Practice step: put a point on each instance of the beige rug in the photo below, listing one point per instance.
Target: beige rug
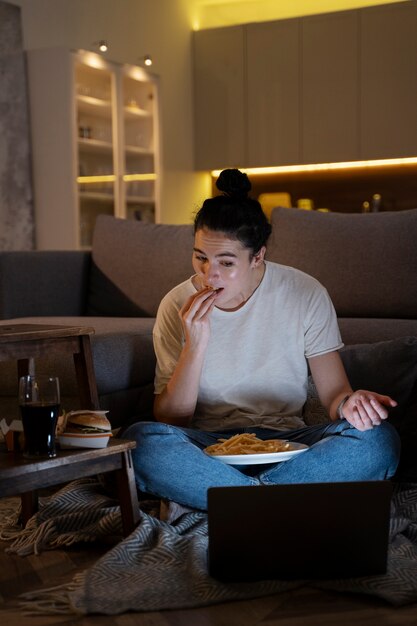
(164, 566)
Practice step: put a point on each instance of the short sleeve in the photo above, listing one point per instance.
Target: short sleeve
(168, 336)
(321, 329)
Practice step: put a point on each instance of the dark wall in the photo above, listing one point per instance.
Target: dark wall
(16, 205)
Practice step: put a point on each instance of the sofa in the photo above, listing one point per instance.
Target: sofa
(367, 262)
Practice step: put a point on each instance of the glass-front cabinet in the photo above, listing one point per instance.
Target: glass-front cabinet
(96, 154)
(140, 140)
(99, 121)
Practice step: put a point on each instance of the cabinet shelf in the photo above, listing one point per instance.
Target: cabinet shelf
(135, 112)
(96, 195)
(140, 199)
(138, 150)
(94, 145)
(96, 106)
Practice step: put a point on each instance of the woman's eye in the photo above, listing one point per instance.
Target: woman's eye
(201, 259)
(227, 263)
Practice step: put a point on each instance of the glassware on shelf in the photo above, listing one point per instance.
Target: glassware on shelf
(132, 103)
(83, 89)
(145, 213)
(84, 132)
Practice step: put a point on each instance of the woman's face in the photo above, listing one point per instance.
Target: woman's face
(225, 264)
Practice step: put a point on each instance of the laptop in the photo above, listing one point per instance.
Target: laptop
(314, 530)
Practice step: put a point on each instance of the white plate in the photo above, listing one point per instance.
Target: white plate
(260, 458)
(72, 440)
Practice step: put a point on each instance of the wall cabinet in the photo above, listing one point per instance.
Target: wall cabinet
(388, 86)
(330, 85)
(325, 88)
(95, 144)
(273, 93)
(219, 97)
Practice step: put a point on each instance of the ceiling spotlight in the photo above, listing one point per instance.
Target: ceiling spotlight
(147, 59)
(102, 45)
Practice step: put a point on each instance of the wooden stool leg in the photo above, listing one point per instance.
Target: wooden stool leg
(30, 505)
(128, 497)
(86, 379)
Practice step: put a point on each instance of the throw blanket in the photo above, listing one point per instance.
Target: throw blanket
(163, 566)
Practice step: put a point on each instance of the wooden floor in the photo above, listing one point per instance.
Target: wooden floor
(305, 606)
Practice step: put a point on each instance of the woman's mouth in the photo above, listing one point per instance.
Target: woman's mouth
(216, 289)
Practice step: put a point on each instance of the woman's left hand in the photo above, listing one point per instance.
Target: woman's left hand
(366, 409)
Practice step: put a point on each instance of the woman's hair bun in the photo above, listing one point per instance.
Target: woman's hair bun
(233, 183)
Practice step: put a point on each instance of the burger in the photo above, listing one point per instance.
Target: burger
(85, 429)
(87, 423)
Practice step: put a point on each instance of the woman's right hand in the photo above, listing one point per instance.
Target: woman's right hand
(195, 316)
(176, 404)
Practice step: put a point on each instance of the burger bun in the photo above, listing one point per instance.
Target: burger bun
(88, 422)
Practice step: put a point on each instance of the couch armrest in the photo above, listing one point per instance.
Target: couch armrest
(43, 283)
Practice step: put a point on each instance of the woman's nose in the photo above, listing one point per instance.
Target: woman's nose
(211, 271)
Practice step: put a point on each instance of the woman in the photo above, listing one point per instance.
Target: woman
(233, 346)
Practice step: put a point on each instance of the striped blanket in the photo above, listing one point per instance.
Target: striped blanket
(163, 566)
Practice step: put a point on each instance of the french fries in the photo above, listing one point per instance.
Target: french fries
(247, 443)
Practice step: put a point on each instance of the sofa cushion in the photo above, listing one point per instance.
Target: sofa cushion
(390, 368)
(367, 262)
(387, 367)
(135, 264)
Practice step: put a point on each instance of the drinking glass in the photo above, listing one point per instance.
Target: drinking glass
(39, 400)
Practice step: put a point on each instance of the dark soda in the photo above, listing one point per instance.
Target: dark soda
(39, 424)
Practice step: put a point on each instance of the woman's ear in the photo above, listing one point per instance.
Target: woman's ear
(258, 258)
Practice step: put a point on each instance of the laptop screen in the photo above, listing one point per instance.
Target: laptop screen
(313, 530)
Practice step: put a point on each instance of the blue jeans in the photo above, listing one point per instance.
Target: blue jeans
(169, 461)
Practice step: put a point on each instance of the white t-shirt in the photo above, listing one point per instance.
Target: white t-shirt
(255, 369)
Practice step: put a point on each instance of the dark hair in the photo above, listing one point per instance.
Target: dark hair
(234, 212)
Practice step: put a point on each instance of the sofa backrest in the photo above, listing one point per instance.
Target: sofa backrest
(134, 264)
(43, 283)
(367, 262)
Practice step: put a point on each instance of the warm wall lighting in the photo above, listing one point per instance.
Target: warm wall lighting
(218, 13)
(110, 178)
(317, 167)
(132, 177)
(96, 179)
(92, 59)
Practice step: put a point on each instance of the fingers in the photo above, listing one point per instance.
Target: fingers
(195, 318)
(368, 412)
(199, 304)
(367, 409)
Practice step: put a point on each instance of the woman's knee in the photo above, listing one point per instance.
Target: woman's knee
(387, 437)
(379, 448)
(385, 444)
(140, 429)
(150, 437)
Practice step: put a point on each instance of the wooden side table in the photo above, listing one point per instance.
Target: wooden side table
(20, 476)
(24, 342)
